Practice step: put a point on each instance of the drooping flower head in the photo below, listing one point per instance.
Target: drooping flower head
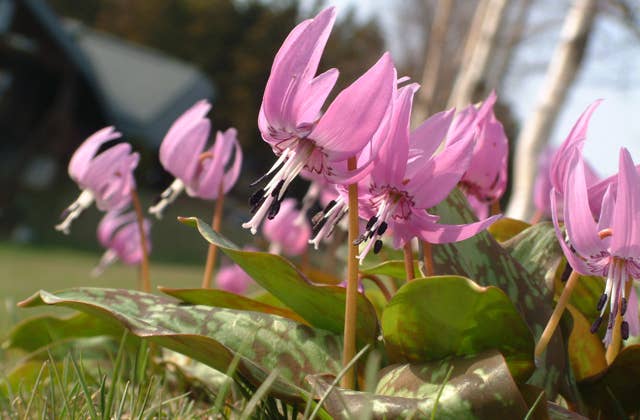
(485, 181)
(287, 232)
(119, 233)
(291, 121)
(410, 177)
(202, 173)
(231, 278)
(609, 247)
(105, 177)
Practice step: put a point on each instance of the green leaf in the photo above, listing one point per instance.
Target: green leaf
(321, 306)
(482, 259)
(449, 316)
(222, 299)
(618, 385)
(586, 350)
(537, 250)
(394, 268)
(417, 390)
(213, 335)
(506, 228)
(41, 331)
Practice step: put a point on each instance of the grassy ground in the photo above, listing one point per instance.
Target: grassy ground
(24, 270)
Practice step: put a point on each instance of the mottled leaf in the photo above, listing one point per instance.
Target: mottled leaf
(321, 306)
(222, 299)
(213, 335)
(41, 331)
(506, 228)
(446, 316)
(586, 350)
(537, 250)
(618, 386)
(482, 259)
(411, 391)
(586, 294)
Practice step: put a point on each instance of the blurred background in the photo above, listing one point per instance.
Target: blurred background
(69, 68)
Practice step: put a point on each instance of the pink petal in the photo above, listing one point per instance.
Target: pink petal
(605, 220)
(317, 91)
(233, 279)
(542, 184)
(214, 171)
(432, 132)
(394, 152)
(576, 262)
(295, 65)
(83, 155)
(182, 159)
(631, 316)
(284, 229)
(356, 113)
(487, 172)
(576, 138)
(431, 180)
(110, 223)
(173, 142)
(103, 166)
(581, 228)
(442, 234)
(480, 208)
(625, 240)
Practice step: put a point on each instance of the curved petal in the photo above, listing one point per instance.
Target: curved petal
(605, 220)
(542, 185)
(576, 138)
(577, 263)
(431, 180)
(104, 166)
(487, 171)
(319, 88)
(625, 241)
(110, 223)
(355, 115)
(432, 132)
(217, 168)
(295, 64)
(81, 159)
(174, 141)
(183, 160)
(442, 234)
(394, 152)
(578, 219)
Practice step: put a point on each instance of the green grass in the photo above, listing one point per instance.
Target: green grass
(26, 270)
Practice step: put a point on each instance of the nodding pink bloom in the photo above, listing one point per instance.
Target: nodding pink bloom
(232, 278)
(119, 233)
(202, 173)
(616, 257)
(409, 178)
(486, 178)
(542, 184)
(291, 121)
(105, 177)
(287, 232)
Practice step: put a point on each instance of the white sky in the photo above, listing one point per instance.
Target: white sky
(611, 71)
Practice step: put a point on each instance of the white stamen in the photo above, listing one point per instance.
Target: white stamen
(108, 258)
(84, 200)
(168, 196)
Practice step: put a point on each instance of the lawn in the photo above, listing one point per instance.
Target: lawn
(25, 270)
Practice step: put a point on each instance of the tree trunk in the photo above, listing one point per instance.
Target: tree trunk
(561, 73)
(471, 79)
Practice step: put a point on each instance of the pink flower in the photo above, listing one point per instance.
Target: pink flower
(409, 178)
(119, 233)
(231, 278)
(290, 117)
(201, 172)
(616, 257)
(105, 177)
(287, 232)
(486, 178)
(542, 184)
